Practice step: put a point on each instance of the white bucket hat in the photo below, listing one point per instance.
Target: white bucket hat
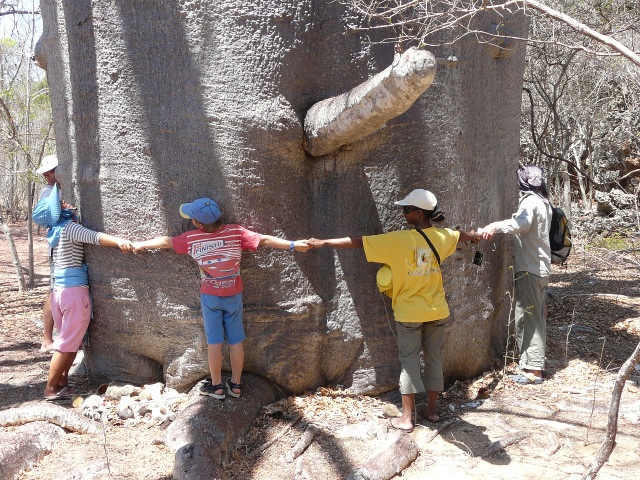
(48, 163)
(420, 198)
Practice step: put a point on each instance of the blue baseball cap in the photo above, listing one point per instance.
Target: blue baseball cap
(47, 212)
(204, 210)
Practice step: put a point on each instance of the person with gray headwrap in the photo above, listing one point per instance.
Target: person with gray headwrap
(532, 266)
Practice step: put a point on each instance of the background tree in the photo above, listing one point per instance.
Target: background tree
(25, 112)
(581, 126)
(580, 108)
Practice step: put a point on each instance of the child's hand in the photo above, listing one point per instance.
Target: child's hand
(137, 247)
(314, 242)
(125, 245)
(301, 245)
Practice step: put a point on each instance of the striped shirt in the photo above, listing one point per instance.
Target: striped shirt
(69, 252)
(218, 256)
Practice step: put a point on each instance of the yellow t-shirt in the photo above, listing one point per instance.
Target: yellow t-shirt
(418, 293)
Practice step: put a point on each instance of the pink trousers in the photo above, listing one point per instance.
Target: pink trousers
(71, 308)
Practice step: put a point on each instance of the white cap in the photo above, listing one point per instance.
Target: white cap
(48, 163)
(420, 198)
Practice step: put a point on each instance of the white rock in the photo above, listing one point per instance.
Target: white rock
(160, 413)
(155, 390)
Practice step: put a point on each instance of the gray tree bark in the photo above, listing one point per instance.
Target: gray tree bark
(158, 102)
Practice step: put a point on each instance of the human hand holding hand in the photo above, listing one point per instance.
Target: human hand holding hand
(125, 245)
(487, 232)
(315, 243)
(137, 247)
(301, 245)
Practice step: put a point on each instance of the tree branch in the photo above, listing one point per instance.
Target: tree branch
(581, 28)
(609, 441)
(346, 118)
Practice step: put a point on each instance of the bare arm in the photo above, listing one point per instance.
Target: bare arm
(281, 243)
(107, 240)
(158, 242)
(344, 242)
(469, 236)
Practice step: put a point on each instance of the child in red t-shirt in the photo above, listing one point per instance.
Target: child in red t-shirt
(217, 248)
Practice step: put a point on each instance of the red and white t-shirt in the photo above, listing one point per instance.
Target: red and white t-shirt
(218, 255)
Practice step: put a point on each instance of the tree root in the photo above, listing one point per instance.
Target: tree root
(441, 428)
(504, 442)
(63, 417)
(388, 463)
(22, 448)
(554, 444)
(268, 443)
(302, 444)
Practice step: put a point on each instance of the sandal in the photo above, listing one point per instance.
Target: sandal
(526, 379)
(211, 390)
(62, 394)
(233, 386)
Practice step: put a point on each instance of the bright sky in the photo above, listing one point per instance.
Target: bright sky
(14, 25)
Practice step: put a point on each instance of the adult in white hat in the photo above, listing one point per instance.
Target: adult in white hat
(47, 169)
(418, 298)
(70, 302)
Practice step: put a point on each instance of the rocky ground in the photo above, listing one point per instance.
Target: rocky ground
(556, 428)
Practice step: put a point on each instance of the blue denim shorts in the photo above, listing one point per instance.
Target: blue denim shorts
(222, 318)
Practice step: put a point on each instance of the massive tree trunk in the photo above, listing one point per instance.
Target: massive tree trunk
(158, 102)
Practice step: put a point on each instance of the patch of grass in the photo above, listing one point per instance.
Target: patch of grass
(614, 243)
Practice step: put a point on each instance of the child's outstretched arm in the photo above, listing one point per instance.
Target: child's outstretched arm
(107, 240)
(275, 242)
(158, 242)
(344, 242)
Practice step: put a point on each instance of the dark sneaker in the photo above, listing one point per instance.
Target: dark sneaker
(215, 391)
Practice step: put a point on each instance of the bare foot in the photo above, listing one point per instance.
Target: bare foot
(432, 417)
(46, 347)
(402, 426)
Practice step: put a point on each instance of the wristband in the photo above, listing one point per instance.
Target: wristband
(292, 245)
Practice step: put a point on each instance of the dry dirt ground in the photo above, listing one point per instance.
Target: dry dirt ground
(593, 327)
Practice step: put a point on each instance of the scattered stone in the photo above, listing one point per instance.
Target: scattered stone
(390, 410)
(161, 414)
(118, 391)
(154, 391)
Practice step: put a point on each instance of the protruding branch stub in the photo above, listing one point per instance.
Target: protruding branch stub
(344, 119)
